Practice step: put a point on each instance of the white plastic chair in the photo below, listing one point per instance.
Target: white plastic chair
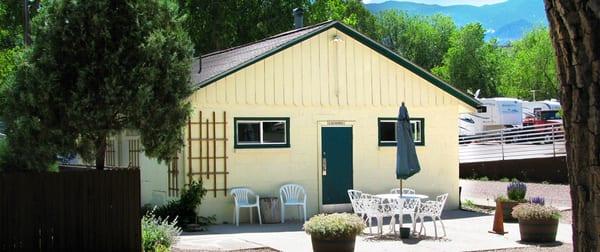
(370, 206)
(241, 197)
(432, 209)
(403, 191)
(292, 195)
(354, 196)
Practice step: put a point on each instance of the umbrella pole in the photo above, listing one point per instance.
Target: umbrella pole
(400, 187)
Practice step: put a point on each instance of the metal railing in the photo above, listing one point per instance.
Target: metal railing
(537, 141)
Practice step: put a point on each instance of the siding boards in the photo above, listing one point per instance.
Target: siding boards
(320, 72)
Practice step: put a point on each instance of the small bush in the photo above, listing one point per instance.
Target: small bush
(337, 226)
(158, 234)
(516, 191)
(184, 208)
(484, 178)
(529, 211)
(468, 204)
(505, 179)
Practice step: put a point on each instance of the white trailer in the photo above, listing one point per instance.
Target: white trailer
(494, 113)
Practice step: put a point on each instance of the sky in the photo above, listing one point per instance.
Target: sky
(443, 2)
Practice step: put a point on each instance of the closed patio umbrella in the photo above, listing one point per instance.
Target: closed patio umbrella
(407, 162)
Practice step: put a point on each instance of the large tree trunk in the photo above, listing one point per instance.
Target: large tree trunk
(575, 32)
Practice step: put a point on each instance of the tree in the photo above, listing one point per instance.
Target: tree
(216, 24)
(422, 40)
(350, 12)
(531, 66)
(94, 69)
(574, 27)
(471, 63)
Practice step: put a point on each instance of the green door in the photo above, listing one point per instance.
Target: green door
(336, 147)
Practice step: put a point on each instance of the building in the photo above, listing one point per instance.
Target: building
(274, 111)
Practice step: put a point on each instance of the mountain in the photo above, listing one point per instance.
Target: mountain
(505, 21)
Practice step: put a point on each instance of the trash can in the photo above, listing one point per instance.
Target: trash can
(270, 210)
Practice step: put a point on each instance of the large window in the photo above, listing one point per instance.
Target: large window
(262, 132)
(387, 131)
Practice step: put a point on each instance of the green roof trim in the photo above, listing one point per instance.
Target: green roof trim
(366, 41)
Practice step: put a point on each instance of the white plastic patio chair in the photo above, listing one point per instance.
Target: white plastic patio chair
(403, 191)
(241, 198)
(432, 209)
(292, 195)
(354, 196)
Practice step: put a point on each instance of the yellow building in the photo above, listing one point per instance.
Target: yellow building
(272, 111)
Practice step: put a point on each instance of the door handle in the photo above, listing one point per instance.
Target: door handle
(324, 164)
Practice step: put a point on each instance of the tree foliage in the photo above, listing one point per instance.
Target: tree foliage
(350, 12)
(215, 24)
(422, 40)
(471, 63)
(531, 66)
(94, 69)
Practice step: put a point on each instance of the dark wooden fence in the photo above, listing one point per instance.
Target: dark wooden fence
(552, 169)
(75, 210)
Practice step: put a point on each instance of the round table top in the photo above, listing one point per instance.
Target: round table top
(404, 196)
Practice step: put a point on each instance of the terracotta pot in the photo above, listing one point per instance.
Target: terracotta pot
(333, 245)
(507, 208)
(538, 230)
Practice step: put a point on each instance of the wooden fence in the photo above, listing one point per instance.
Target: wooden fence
(75, 210)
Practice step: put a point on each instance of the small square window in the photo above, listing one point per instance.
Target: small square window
(387, 131)
(261, 132)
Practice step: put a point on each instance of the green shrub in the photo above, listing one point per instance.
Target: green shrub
(505, 179)
(3, 153)
(484, 178)
(530, 211)
(516, 191)
(158, 234)
(337, 226)
(184, 208)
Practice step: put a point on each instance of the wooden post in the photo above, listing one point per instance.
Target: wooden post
(190, 151)
(224, 153)
(214, 127)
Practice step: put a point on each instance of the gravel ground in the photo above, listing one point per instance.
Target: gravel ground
(556, 195)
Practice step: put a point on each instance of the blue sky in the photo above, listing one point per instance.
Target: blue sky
(443, 2)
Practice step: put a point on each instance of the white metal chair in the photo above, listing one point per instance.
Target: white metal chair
(403, 191)
(370, 206)
(432, 209)
(354, 196)
(292, 195)
(241, 197)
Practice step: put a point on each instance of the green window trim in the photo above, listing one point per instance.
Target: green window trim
(418, 120)
(261, 120)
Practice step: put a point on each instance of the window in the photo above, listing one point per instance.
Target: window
(262, 132)
(387, 131)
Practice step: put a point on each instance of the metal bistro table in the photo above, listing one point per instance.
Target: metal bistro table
(388, 196)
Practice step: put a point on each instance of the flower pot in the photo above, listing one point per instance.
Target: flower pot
(404, 233)
(507, 208)
(538, 230)
(320, 245)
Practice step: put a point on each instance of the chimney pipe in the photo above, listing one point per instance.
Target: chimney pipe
(298, 18)
(200, 64)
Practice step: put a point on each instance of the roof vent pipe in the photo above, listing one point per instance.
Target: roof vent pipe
(200, 64)
(298, 18)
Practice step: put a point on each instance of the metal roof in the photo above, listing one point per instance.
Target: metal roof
(219, 62)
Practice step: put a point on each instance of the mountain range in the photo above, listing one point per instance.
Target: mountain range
(505, 21)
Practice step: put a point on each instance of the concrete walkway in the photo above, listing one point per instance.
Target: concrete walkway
(466, 231)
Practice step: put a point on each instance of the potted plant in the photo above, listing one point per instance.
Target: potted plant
(516, 191)
(537, 223)
(334, 232)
